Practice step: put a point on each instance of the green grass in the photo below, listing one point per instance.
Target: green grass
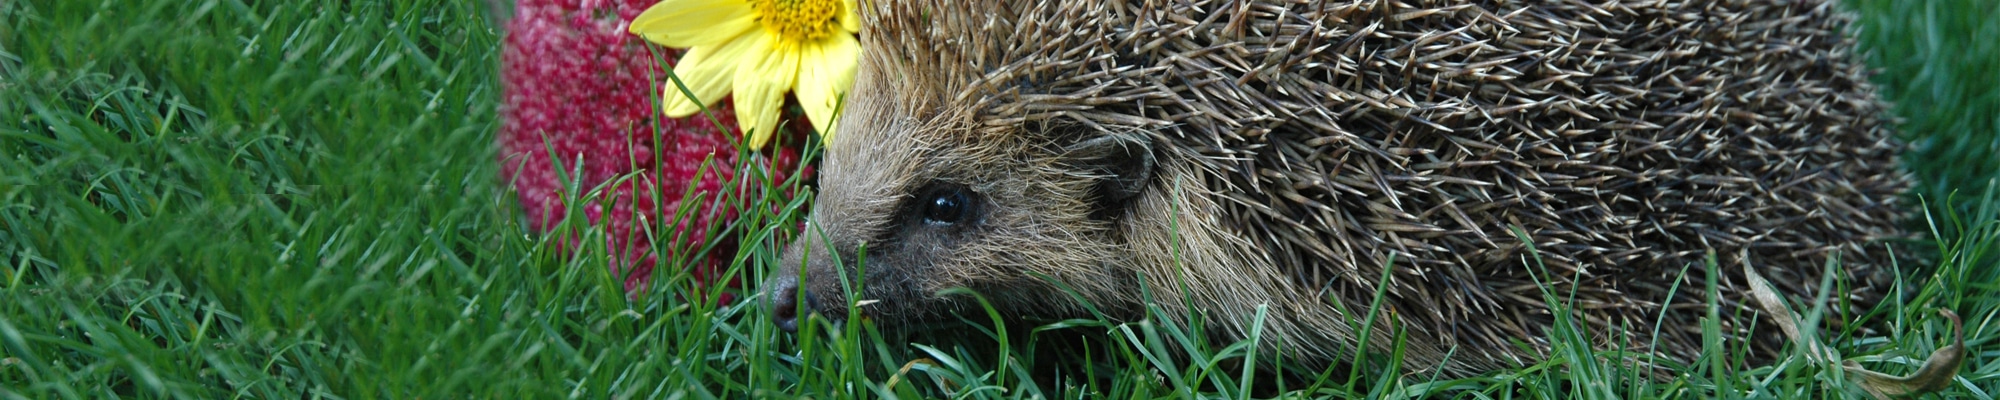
(214, 199)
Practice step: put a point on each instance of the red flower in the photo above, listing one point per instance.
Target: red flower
(580, 88)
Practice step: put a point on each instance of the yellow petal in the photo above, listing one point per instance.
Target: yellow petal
(847, 18)
(760, 89)
(825, 75)
(689, 23)
(708, 72)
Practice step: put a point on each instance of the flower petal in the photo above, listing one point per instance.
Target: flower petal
(708, 72)
(760, 89)
(689, 23)
(825, 75)
(847, 17)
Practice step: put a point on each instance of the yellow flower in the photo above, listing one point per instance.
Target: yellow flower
(757, 49)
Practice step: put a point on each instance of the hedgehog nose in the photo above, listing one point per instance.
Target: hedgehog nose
(784, 298)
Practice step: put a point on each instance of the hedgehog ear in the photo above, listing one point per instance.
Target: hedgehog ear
(1122, 162)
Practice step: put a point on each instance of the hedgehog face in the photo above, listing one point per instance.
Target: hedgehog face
(890, 247)
(916, 200)
(902, 217)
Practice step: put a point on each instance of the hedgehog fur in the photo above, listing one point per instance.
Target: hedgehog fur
(1291, 155)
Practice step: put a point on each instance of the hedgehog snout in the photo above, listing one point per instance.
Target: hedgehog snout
(784, 295)
(788, 293)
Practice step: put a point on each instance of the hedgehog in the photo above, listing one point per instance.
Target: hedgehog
(1447, 163)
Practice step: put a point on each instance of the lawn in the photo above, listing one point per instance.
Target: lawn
(219, 198)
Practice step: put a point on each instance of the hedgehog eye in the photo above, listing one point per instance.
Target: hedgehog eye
(946, 206)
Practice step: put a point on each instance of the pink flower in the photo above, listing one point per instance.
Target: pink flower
(581, 87)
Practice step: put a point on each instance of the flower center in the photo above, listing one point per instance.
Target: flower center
(797, 20)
